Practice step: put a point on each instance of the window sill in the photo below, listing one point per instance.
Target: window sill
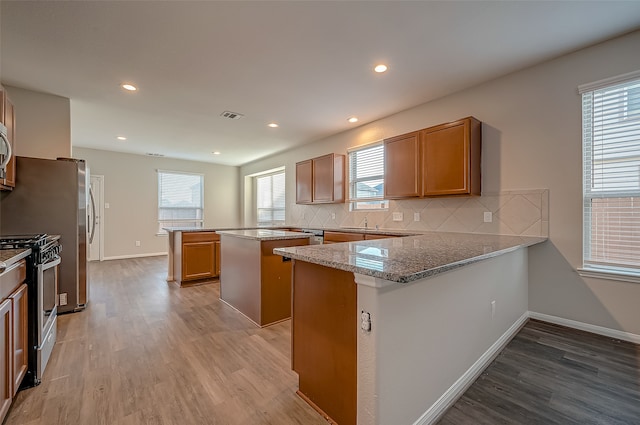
(622, 276)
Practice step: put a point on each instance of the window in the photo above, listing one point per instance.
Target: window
(180, 199)
(366, 177)
(270, 199)
(611, 175)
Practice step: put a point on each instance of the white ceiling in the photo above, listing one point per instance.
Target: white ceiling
(306, 65)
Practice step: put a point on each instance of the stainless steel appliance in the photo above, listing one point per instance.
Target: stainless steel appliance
(317, 238)
(51, 196)
(6, 154)
(42, 287)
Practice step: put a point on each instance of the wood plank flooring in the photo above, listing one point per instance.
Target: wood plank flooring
(148, 352)
(549, 374)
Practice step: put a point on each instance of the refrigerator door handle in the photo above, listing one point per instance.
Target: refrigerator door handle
(93, 219)
(7, 158)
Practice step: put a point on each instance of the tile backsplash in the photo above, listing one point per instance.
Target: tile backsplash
(523, 212)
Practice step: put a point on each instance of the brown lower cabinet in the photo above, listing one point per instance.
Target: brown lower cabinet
(13, 333)
(324, 339)
(336, 237)
(200, 256)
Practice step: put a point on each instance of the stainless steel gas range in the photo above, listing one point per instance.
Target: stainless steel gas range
(42, 283)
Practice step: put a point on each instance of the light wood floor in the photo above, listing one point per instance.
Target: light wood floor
(148, 352)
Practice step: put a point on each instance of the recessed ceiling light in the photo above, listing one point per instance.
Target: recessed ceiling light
(273, 125)
(129, 87)
(353, 119)
(380, 68)
(121, 138)
(216, 153)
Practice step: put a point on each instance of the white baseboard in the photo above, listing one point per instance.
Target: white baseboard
(600, 330)
(464, 382)
(124, 257)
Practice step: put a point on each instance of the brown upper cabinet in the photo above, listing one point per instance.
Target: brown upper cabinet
(321, 180)
(7, 117)
(402, 166)
(443, 160)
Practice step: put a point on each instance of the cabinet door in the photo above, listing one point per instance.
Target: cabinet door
(198, 260)
(7, 116)
(451, 159)
(20, 338)
(336, 237)
(323, 179)
(218, 266)
(402, 166)
(304, 178)
(6, 357)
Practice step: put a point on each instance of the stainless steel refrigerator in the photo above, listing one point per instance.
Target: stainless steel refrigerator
(51, 196)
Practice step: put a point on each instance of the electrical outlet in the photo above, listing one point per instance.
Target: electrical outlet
(398, 216)
(333, 216)
(365, 321)
(488, 217)
(137, 243)
(63, 298)
(493, 308)
(416, 216)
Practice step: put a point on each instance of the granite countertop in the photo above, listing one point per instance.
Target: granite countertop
(367, 230)
(265, 234)
(10, 256)
(409, 258)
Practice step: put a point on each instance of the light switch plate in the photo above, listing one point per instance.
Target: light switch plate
(398, 216)
(106, 205)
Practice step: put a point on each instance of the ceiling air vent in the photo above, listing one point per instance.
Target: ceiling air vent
(231, 115)
(154, 154)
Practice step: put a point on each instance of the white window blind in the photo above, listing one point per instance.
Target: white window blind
(180, 199)
(611, 171)
(366, 177)
(270, 199)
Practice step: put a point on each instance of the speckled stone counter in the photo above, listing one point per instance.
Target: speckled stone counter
(406, 259)
(11, 256)
(264, 234)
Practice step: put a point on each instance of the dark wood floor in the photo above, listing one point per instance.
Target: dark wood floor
(553, 375)
(148, 352)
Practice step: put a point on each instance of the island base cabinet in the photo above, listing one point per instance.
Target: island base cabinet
(257, 282)
(324, 339)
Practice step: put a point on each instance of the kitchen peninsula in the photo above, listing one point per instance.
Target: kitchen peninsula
(255, 281)
(390, 331)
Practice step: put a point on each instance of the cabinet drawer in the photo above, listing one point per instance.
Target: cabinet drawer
(369, 237)
(12, 278)
(342, 237)
(200, 237)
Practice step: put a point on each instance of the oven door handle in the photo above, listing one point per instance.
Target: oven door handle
(50, 264)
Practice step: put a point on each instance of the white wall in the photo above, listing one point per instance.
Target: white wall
(531, 140)
(421, 341)
(131, 189)
(43, 124)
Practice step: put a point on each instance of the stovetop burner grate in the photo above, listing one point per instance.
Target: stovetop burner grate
(23, 241)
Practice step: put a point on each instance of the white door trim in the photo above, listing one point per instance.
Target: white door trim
(100, 209)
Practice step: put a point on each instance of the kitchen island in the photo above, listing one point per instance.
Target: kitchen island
(255, 281)
(391, 331)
